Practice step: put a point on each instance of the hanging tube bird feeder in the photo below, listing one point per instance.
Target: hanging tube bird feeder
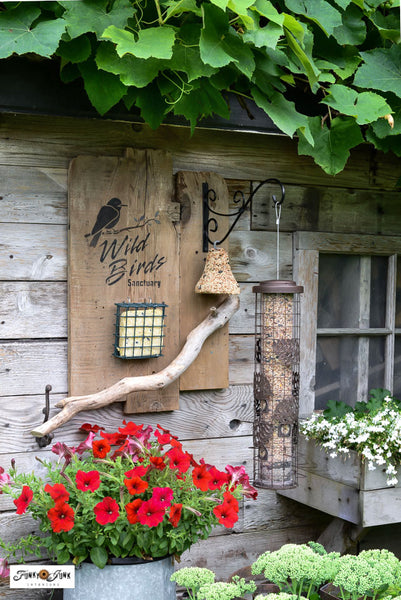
(276, 379)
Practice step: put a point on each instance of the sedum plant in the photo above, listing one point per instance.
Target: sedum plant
(372, 573)
(200, 584)
(324, 70)
(280, 596)
(297, 568)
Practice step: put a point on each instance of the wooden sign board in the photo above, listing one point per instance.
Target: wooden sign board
(123, 246)
(210, 369)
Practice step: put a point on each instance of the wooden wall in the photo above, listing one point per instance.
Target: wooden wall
(34, 158)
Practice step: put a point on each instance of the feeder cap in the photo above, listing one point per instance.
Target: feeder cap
(278, 286)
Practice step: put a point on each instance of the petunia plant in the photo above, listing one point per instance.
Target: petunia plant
(133, 492)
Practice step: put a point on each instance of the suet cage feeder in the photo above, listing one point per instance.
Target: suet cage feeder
(139, 330)
(276, 383)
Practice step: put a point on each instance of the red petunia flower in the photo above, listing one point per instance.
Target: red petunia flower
(201, 477)
(100, 448)
(151, 513)
(175, 443)
(163, 495)
(218, 479)
(86, 444)
(89, 481)
(162, 438)
(130, 428)
(132, 510)
(114, 439)
(61, 517)
(57, 492)
(179, 460)
(139, 471)
(106, 511)
(225, 515)
(167, 431)
(157, 462)
(24, 500)
(136, 485)
(87, 427)
(230, 501)
(175, 514)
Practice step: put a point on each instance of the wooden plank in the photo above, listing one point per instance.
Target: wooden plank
(210, 369)
(348, 244)
(135, 257)
(306, 271)
(243, 322)
(33, 195)
(33, 310)
(27, 367)
(234, 155)
(33, 252)
(380, 507)
(327, 495)
(227, 414)
(315, 208)
(252, 257)
(391, 295)
(242, 352)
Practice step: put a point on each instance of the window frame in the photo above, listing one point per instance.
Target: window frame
(307, 247)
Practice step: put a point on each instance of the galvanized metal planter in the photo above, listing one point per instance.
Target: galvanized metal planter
(134, 580)
(344, 487)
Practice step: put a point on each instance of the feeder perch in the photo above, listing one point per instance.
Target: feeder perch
(139, 330)
(276, 384)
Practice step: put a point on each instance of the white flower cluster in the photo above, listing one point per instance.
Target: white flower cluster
(376, 437)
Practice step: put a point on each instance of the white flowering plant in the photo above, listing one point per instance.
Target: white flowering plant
(372, 429)
(200, 584)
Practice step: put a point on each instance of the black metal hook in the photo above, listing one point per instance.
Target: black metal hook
(46, 439)
(210, 223)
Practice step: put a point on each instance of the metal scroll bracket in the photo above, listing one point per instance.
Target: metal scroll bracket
(46, 439)
(210, 223)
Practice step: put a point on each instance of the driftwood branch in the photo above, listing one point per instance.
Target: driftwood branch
(72, 405)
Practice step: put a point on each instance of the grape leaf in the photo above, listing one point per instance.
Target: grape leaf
(131, 70)
(381, 127)
(18, 36)
(266, 36)
(77, 50)
(218, 46)
(322, 13)
(366, 107)
(187, 59)
(202, 101)
(331, 149)
(104, 89)
(92, 15)
(353, 28)
(266, 9)
(155, 42)
(152, 104)
(174, 8)
(283, 114)
(381, 70)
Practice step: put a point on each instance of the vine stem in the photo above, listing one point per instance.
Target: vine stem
(159, 12)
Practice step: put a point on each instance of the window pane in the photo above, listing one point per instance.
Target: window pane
(338, 301)
(376, 362)
(336, 370)
(378, 287)
(397, 368)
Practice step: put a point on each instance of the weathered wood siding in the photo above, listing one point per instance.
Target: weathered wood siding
(34, 156)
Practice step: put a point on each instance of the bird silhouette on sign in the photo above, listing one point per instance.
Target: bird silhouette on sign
(108, 216)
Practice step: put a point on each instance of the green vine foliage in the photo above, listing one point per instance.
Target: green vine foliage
(328, 71)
